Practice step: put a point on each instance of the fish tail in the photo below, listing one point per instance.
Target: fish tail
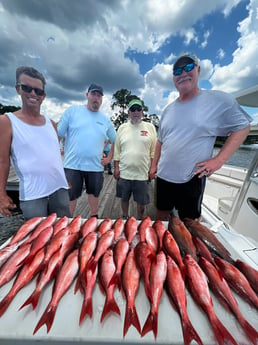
(47, 318)
(4, 304)
(86, 309)
(189, 333)
(151, 324)
(220, 332)
(250, 332)
(110, 305)
(33, 300)
(131, 318)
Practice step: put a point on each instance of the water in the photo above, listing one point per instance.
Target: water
(242, 157)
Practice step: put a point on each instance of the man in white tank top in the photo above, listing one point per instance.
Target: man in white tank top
(29, 140)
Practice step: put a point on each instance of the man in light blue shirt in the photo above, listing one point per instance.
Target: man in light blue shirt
(84, 129)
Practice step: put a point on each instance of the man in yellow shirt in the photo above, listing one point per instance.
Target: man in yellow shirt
(133, 154)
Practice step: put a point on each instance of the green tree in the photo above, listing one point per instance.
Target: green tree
(8, 108)
(122, 98)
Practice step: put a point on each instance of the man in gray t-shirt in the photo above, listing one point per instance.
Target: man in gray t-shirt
(188, 130)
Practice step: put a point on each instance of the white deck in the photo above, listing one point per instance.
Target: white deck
(16, 327)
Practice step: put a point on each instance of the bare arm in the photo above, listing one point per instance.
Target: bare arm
(6, 203)
(154, 164)
(108, 159)
(234, 140)
(116, 170)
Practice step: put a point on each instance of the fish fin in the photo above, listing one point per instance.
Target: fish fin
(28, 259)
(250, 332)
(40, 274)
(78, 285)
(33, 300)
(131, 318)
(86, 309)
(92, 264)
(189, 333)
(110, 305)
(113, 280)
(147, 288)
(182, 270)
(119, 281)
(47, 318)
(220, 331)
(151, 324)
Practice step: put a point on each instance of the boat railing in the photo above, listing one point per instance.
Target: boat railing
(251, 176)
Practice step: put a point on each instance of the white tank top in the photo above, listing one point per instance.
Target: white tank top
(36, 158)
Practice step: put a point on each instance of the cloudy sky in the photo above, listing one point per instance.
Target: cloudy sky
(127, 44)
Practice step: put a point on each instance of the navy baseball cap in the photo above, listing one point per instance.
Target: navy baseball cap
(187, 57)
(95, 87)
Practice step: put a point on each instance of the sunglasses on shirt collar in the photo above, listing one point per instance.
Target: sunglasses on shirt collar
(28, 89)
(135, 108)
(187, 68)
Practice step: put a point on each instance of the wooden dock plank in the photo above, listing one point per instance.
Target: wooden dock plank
(109, 204)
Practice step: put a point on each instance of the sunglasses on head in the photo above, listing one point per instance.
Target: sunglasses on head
(28, 89)
(187, 68)
(135, 108)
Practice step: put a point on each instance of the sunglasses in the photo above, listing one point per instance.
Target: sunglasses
(135, 108)
(187, 68)
(28, 89)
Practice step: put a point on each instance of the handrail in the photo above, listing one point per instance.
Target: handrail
(252, 171)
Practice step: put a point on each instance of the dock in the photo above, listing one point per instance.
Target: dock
(110, 205)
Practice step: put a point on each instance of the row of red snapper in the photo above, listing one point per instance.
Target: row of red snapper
(118, 254)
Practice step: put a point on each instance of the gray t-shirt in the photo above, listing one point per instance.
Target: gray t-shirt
(188, 131)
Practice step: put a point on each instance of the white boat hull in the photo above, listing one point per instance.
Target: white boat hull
(232, 194)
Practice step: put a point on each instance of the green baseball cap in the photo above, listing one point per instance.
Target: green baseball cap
(133, 102)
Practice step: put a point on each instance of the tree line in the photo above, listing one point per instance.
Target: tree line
(121, 99)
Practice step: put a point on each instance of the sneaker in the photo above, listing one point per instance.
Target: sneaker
(125, 217)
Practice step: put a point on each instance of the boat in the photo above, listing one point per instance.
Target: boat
(232, 191)
(229, 211)
(66, 329)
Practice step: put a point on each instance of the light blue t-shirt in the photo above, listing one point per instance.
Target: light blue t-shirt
(188, 131)
(84, 132)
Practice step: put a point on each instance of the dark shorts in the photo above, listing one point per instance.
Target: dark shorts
(93, 182)
(185, 197)
(139, 189)
(57, 202)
